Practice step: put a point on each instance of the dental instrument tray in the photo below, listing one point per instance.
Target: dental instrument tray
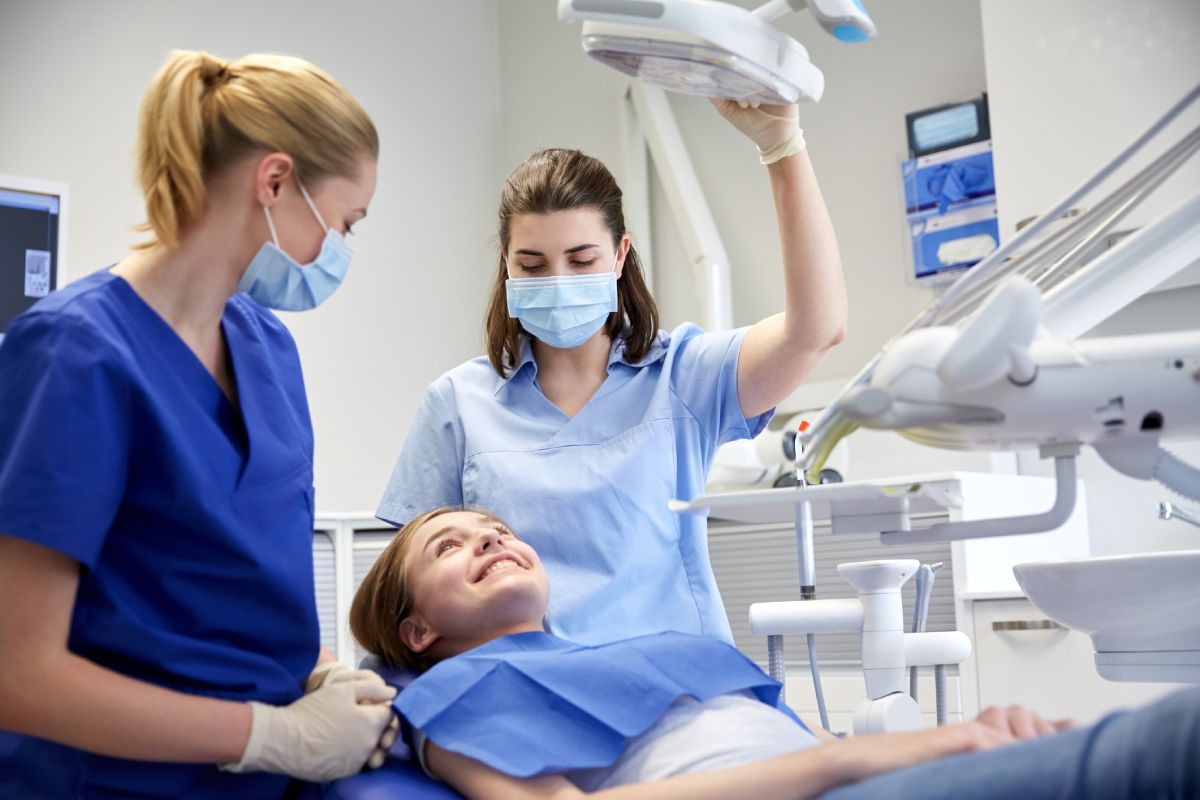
(859, 507)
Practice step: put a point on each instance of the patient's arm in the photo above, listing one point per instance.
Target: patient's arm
(823, 736)
(795, 776)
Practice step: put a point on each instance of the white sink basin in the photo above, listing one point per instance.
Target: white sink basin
(1139, 604)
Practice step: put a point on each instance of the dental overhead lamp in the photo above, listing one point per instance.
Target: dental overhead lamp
(714, 48)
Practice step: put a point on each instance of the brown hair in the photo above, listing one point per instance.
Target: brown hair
(384, 598)
(202, 113)
(559, 180)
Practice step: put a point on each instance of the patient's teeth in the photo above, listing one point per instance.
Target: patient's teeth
(503, 564)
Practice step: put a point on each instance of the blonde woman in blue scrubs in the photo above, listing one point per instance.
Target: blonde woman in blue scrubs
(585, 419)
(157, 611)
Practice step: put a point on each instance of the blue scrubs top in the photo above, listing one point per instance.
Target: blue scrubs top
(192, 522)
(590, 492)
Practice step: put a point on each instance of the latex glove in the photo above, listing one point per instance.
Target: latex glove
(327, 734)
(386, 740)
(774, 129)
(336, 672)
(324, 672)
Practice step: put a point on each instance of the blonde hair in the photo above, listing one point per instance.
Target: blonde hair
(202, 113)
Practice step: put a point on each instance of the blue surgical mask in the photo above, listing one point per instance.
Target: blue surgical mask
(564, 311)
(276, 280)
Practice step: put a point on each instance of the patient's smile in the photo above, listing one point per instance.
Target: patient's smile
(498, 566)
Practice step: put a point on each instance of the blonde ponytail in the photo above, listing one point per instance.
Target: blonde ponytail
(201, 114)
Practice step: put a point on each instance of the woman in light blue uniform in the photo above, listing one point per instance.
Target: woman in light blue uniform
(585, 419)
(157, 613)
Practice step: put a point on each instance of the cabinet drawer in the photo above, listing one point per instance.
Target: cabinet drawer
(1050, 670)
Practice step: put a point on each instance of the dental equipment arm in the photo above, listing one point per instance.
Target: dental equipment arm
(845, 20)
(1172, 511)
(991, 364)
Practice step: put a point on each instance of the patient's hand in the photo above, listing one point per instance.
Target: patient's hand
(866, 756)
(1003, 725)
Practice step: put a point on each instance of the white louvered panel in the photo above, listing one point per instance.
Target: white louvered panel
(368, 544)
(756, 564)
(325, 580)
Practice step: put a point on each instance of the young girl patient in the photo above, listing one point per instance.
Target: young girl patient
(505, 709)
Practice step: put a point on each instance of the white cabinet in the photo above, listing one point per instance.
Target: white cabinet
(1049, 669)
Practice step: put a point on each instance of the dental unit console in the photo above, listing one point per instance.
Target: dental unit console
(996, 364)
(887, 650)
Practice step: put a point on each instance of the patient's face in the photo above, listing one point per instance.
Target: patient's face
(471, 577)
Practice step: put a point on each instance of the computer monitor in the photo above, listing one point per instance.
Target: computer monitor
(33, 243)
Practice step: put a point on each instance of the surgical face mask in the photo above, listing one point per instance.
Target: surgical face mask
(276, 280)
(564, 311)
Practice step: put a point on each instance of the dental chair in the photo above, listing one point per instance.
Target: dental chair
(395, 780)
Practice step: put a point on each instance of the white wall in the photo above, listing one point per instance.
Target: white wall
(74, 74)
(1073, 82)
(554, 95)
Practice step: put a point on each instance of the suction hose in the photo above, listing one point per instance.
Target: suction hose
(816, 676)
(1179, 477)
(939, 688)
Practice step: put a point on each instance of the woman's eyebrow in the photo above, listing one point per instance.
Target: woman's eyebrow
(436, 536)
(577, 248)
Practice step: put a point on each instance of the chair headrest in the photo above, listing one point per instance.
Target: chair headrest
(394, 676)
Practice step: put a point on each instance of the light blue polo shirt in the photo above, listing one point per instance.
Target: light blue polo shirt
(590, 492)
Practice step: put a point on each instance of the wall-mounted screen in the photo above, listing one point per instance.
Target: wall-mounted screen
(32, 243)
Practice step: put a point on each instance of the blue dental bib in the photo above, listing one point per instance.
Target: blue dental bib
(531, 703)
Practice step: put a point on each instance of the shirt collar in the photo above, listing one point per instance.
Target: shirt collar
(616, 355)
(658, 349)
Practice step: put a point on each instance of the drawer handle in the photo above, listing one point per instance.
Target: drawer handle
(1027, 625)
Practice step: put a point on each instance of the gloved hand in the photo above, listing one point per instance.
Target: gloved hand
(326, 734)
(774, 129)
(337, 672)
(329, 671)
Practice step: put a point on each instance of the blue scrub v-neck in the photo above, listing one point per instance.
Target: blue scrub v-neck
(199, 381)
